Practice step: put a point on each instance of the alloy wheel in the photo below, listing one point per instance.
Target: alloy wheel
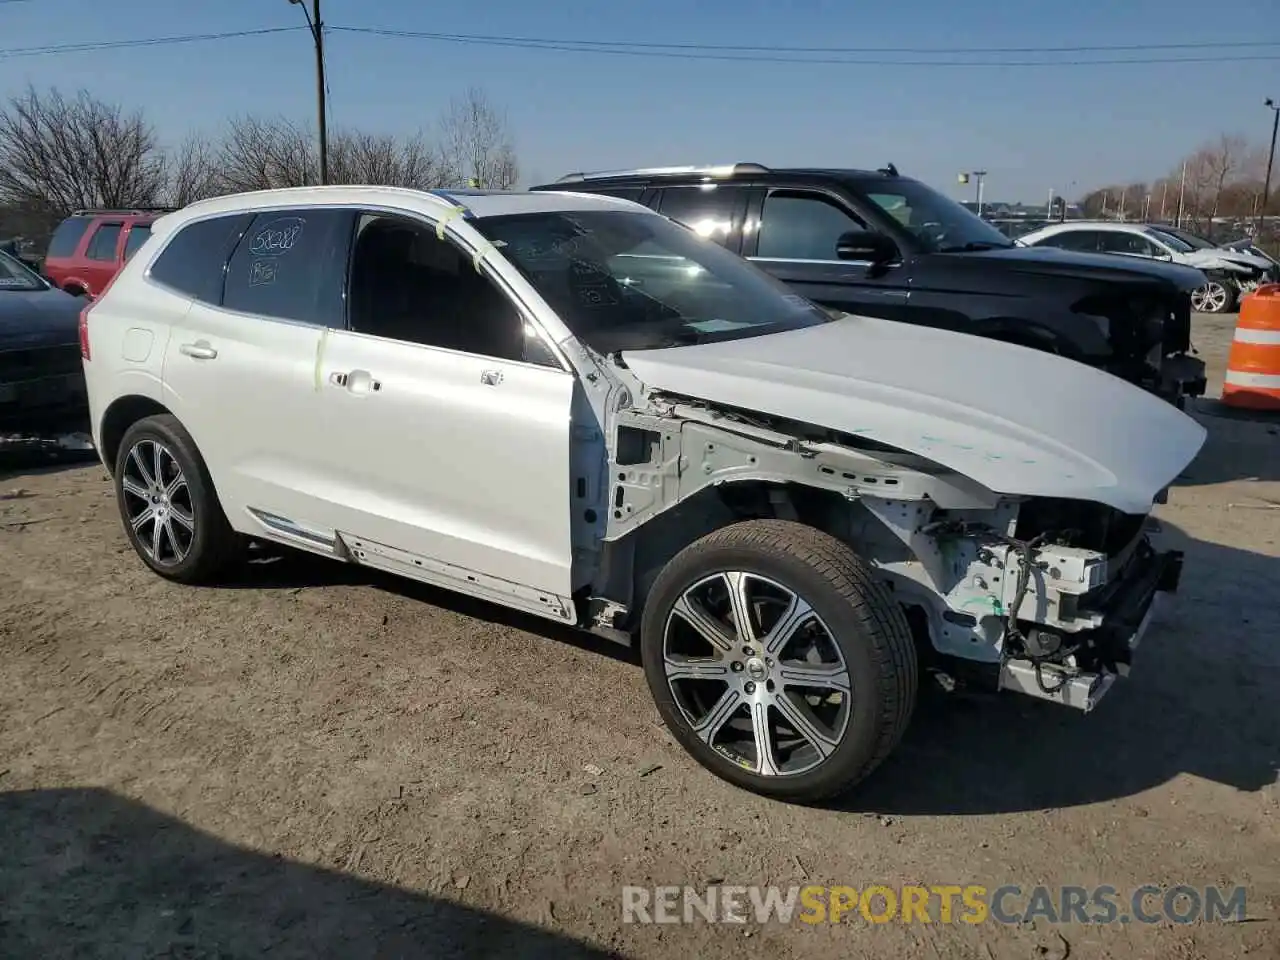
(757, 674)
(158, 503)
(1211, 298)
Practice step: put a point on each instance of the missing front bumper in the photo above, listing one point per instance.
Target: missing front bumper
(1131, 608)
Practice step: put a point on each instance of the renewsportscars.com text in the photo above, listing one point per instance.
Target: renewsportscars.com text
(944, 903)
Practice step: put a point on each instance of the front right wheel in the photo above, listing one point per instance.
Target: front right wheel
(1214, 297)
(778, 659)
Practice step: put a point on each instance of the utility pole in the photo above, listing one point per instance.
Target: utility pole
(979, 174)
(1266, 183)
(1182, 192)
(1164, 195)
(317, 34)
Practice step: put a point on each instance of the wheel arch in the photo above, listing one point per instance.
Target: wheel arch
(631, 563)
(123, 413)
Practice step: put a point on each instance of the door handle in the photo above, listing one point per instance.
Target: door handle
(358, 382)
(491, 378)
(200, 350)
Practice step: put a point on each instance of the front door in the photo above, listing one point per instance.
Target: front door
(449, 441)
(795, 240)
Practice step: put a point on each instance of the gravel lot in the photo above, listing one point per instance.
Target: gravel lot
(321, 762)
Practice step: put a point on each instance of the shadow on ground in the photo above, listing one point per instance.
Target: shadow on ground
(1240, 446)
(1200, 700)
(24, 463)
(269, 567)
(87, 873)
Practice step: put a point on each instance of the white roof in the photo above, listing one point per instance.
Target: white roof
(1095, 225)
(479, 203)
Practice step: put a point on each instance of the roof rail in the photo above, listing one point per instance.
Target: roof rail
(124, 211)
(721, 170)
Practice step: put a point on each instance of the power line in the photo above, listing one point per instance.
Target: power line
(708, 51)
(774, 48)
(94, 45)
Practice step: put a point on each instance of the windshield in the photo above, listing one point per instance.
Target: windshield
(1190, 239)
(14, 275)
(1175, 244)
(939, 223)
(635, 281)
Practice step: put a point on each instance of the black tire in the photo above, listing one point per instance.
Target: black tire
(214, 545)
(863, 620)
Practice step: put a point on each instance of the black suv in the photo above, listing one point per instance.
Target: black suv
(877, 243)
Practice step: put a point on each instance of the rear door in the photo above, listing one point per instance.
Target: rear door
(795, 240)
(240, 370)
(102, 255)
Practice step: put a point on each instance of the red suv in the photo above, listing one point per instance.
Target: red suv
(90, 246)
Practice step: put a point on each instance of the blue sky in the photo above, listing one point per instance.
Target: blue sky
(1030, 128)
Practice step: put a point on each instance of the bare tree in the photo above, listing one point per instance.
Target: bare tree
(1223, 161)
(192, 172)
(476, 145)
(262, 154)
(356, 157)
(59, 154)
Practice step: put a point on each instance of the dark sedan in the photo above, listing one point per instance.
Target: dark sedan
(42, 391)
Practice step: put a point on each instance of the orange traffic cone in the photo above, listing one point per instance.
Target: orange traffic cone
(1253, 366)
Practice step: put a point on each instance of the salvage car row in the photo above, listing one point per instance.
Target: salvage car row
(871, 243)
(567, 404)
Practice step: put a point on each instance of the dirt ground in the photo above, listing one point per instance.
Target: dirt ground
(317, 761)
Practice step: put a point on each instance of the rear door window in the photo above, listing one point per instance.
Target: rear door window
(138, 235)
(292, 265)
(104, 242)
(715, 211)
(1081, 241)
(194, 261)
(1116, 241)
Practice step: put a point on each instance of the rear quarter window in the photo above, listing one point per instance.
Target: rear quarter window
(194, 261)
(67, 236)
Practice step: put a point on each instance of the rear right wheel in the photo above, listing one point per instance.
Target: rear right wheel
(778, 660)
(167, 502)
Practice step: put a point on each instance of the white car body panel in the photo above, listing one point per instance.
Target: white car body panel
(1017, 421)
(1221, 260)
(457, 457)
(250, 407)
(1224, 260)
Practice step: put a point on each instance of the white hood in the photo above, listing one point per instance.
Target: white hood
(1014, 419)
(1223, 260)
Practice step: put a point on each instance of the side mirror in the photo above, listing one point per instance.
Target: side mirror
(866, 245)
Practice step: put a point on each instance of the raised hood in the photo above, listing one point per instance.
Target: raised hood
(1016, 420)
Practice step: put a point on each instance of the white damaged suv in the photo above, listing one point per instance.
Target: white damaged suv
(572, 406)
